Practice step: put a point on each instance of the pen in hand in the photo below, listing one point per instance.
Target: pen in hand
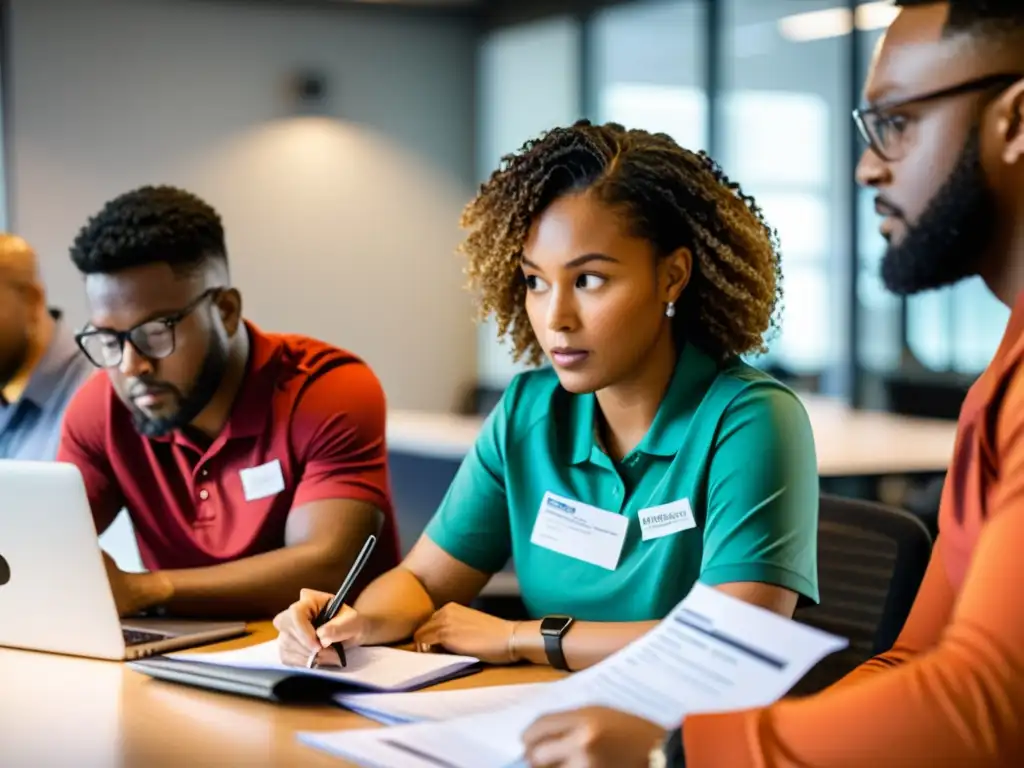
(330, 610)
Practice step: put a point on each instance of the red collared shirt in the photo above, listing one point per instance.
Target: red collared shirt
(308, 424)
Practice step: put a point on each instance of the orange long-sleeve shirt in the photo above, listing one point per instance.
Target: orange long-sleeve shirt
(951, 691)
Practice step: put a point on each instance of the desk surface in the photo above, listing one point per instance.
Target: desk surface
(61, 710)
(849, 442)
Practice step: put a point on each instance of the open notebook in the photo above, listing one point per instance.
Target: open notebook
(257, 671)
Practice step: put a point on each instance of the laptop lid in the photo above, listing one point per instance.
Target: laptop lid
(54, 594)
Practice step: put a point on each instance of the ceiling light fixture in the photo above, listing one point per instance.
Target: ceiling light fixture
(835, 22)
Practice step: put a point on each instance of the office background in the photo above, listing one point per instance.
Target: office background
(340, 140)
(351, 201)
(767, 87)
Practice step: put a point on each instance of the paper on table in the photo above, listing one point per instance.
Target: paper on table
(375, 668)
(396, 708)
(712, 653)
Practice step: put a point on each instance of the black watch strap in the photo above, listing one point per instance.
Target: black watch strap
(553, 629)
(675, 754)
(553, 649)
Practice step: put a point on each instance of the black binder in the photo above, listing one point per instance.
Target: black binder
(286, 686)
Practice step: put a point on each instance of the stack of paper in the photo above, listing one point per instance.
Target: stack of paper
(712, 653)
(398, 708)
(374, 668)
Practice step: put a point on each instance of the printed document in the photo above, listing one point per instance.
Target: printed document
(712, 653)
(374, 668)
(396, 708)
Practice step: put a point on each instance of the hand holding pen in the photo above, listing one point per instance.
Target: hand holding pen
(335, 604)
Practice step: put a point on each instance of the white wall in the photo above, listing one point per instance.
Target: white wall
(529, 83)
(341, 228)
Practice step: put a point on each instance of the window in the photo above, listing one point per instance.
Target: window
(679, 111)
(785, 133)
(879, 333)
(954, 329)
(647, 61)
(529, 82)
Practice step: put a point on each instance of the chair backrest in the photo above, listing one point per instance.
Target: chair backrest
(929, 394)
(871, 560)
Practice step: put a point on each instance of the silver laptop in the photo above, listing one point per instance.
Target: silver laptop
(54, 593)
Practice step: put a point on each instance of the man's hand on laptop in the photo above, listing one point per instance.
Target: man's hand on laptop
(133, 592)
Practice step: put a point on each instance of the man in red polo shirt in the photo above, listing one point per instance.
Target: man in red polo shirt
(251, 464)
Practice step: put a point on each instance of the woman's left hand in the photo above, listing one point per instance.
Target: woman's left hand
(467, 632)
(596, 737)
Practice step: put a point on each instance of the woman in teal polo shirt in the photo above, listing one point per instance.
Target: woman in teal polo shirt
(648, 456)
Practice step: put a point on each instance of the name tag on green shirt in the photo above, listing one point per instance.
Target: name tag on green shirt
(580, 531)
(666, 519)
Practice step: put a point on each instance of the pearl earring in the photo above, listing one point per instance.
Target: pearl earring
(670, 310)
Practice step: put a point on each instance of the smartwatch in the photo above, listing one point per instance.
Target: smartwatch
(553, 629)
(670, 754)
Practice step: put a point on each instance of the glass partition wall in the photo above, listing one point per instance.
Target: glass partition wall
(767, 87)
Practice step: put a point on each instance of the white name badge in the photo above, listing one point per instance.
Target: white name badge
(666, 519)
(580, 531)
(262, 481)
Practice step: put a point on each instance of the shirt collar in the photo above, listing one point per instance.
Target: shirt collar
(251, 410)
(693, 374)
(49, 371)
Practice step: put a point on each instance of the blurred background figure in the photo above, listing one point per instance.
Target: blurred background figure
(40, 364)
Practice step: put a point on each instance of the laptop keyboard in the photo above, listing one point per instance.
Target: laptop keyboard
(138, 637)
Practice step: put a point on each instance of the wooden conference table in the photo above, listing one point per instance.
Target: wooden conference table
(61, 711)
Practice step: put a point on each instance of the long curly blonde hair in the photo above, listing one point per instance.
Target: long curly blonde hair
(673, 197)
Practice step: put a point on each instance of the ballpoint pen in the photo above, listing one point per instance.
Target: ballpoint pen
(330, 610)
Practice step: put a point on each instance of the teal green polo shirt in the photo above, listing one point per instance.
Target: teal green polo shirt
(733, 442)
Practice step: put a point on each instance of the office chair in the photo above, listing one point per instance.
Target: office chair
(478, 399)
(934, 395)
(871, 560)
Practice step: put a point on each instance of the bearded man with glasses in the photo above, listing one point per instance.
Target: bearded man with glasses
(251, 464)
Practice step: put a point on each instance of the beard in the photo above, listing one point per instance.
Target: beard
(948, 241)
(192, 403)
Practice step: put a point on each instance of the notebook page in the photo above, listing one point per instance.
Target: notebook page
(375, 668)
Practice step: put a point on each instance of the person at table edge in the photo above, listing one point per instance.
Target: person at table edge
(250, 463)
(40, 365)
(642, 274)
(945, 133)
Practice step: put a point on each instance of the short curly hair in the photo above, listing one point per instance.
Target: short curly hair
(148, 225)
(673, 197)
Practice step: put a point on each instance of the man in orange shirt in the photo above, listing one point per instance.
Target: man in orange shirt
(945, 127)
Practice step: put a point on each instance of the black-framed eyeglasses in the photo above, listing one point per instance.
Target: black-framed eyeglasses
(153, 339)
(884, 130)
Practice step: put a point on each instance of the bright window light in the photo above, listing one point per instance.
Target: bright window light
(834, 22)
(872, 16)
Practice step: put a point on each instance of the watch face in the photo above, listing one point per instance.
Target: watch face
(555, 625)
